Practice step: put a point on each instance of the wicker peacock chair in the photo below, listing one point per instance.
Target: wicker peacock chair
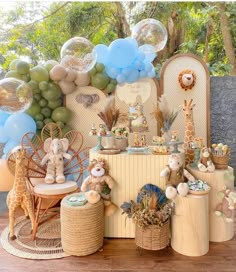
(73, 168)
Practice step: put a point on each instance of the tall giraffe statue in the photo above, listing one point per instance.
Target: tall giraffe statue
(19, 195)
(189, 130)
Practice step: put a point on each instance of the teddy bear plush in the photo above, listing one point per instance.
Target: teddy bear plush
(226, 206)
(99, 182)
(175, 177)
(55, 153)
(205, 163)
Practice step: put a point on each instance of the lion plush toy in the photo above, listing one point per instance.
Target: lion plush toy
(175, 177)
(99, 182)
(205, 163)
(187, 79)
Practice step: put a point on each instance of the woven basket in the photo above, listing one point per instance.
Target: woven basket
(82, 227)
(152, 237)
(220, 162)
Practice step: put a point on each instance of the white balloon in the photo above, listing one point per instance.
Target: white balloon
(82, 79)
(67, 87)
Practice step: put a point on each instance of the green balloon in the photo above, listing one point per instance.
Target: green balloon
(37, 97)
(66, 129)
(99, 67)
(110, 88)
(22, 67)
(52, 93)
(93, 71)
(43, 102)
(33, 84)
(13, 63)
(100, 81)
(113, 81)
(34, 109)
(39, 117)
(46, 112)
(14, 74)
(54, 104)
(60, 124)
(48, 120)
(39, 124)
(61, 114)
(43, 85)
(26, 77)
(39, 73)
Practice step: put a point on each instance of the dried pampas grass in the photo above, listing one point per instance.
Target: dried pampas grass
(110, 115)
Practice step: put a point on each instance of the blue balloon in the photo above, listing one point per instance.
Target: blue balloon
(121, 78)
(148, 67)
(152, 73)
(112, 72)
(133, 76)
(121, 53)
(9, 146)
(19, 124)
(149, 52)
(132, 41)
(3, 136)
(102, 53)
(3, 117)
(140, 56)
(142, 74)
(127, 71)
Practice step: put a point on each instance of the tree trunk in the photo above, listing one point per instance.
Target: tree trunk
(124, 24)
(227, 37)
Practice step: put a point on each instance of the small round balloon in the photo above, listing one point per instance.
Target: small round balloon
(78, 54)
(15, 95)
(152, 32)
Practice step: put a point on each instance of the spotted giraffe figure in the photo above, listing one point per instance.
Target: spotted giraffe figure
(19, 195)
(189, 134)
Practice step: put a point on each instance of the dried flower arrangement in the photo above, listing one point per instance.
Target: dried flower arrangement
(120, 132)
(164, 116)
(152, 207)
(110, 115)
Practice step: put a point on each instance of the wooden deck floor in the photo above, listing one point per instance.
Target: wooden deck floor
(121, 255)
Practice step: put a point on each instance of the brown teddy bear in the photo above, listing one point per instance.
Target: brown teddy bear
(205, 163)
(226, 206)
(99, 182)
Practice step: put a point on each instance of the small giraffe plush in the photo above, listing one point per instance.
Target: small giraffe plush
(19, 195)
(189, 133)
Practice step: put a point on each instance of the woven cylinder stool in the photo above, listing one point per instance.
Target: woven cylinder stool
(82, 227)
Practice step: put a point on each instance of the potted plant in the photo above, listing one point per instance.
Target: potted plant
(151, 215)
(121, 137)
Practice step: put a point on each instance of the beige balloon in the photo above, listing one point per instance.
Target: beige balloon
(71, 75)
(82, 79)
(58, 72)
(67, 87)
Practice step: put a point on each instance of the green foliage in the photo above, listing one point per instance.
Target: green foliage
(35, 31)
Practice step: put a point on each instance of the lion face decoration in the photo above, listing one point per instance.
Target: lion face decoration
(98, 168)
(187, 79)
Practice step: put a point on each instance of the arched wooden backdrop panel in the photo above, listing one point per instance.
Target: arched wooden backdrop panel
(200, 93)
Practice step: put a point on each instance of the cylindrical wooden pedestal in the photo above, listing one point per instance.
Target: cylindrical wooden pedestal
(220, 230)
(82, 227)
(190, 225)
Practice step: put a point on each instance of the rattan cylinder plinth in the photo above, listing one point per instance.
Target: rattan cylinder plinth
(152, 237)
(82, 228)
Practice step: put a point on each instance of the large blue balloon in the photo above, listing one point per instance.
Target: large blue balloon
(133, 76)
(9, 146)
(102, 53)
(19, 124)
(3, 117)
(112, 72)
(122, 53)
(3, 135)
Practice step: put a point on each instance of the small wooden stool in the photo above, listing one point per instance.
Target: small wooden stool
(220, 230)
(190, 225)
(82, 227)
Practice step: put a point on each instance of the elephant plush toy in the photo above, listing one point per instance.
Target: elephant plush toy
(56, 152)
